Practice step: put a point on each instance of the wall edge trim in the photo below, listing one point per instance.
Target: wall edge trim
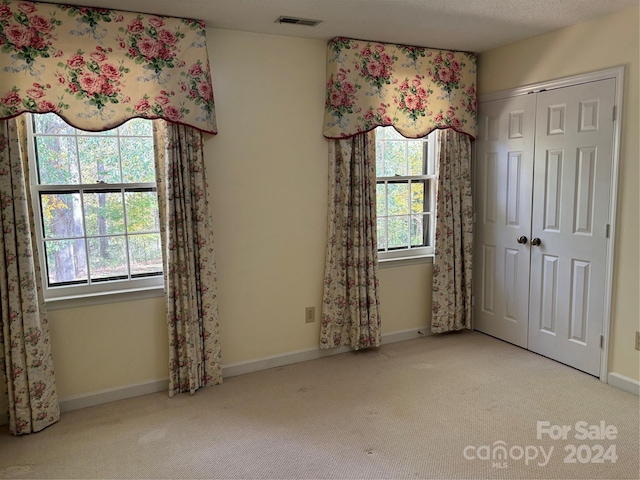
(624, 383)
(265, 363)
(113, 394)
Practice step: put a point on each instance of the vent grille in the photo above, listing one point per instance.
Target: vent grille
(306, 22)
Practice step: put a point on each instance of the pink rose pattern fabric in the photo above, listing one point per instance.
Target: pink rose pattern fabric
(98, 68)
(26, 366)
(415, 89)
(350, 303)
(453, 260)
(189, 262)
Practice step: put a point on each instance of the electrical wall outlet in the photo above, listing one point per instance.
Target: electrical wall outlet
(637, 340)
(310, 314)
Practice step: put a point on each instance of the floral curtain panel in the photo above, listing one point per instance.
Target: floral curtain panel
(453, 261)
(98, 68)
(188, 257)
(415, 89)
(350, 299)
(26, 366)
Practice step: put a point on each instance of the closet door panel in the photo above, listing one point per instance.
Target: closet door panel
(504, 173)
(571, 196)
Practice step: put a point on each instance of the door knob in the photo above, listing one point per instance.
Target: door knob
(536, 242)
(522, 239)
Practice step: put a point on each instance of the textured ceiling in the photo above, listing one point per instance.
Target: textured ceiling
(470, 25)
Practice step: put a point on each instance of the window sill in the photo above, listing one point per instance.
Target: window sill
(404, 261)
(116, 296)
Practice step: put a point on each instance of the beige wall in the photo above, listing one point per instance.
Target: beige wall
(268, 174)
(267, 171)
(606, 42)
(108, 346)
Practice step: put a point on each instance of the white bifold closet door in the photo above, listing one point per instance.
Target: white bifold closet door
(543, 180)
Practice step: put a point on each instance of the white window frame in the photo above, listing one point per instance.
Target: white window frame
(424, 253)
(93, 292)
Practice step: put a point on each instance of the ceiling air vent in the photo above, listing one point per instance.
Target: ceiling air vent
(307, 22)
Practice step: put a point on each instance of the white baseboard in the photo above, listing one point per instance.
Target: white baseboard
(113, 394)
(265, 363)
(130, 391)
(624, 383)
(403, 335)
(105, 396)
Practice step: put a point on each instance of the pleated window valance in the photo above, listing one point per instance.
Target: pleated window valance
(415, 89)
(98, 68)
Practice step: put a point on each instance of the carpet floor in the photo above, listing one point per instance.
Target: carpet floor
(451, 406)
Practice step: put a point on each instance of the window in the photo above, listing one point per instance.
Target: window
(405, 194)
(94, 197)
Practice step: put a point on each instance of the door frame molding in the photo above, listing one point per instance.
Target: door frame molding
(616, 73)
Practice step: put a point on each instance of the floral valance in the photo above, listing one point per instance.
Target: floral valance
(98, 68)
(415, 89)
